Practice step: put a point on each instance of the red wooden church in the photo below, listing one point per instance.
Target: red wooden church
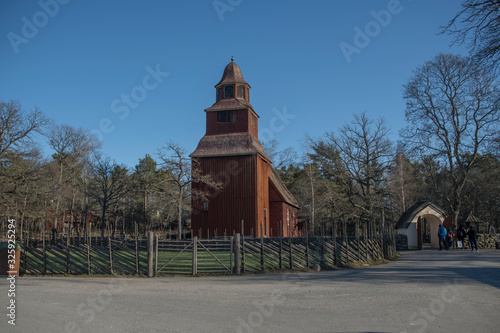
(231, 152)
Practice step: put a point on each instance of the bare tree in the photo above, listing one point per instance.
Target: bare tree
(178, 165)
(359, 153)
(17, 126)
(279, 158)
(24, 187)
(182, 172)
(19, 157)
(109, 182)
(452, 113)
(72, 147)
(478, 25)
(405, 182)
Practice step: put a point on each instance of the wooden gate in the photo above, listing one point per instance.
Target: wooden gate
(194, 256)
(420, 235)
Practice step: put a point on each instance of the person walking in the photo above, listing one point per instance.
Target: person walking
(449, 239)
(461, 233)
(472, 238)
(441, 237)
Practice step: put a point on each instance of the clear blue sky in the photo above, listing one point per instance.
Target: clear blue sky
(84, 55)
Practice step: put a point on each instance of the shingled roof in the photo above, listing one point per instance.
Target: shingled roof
(231, 104)
(281, 188)
(408, 216)
(232, 144)
(232, 74)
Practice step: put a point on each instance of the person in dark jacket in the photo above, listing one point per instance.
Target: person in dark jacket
(461, 233)
(472, 238)
(441, 237)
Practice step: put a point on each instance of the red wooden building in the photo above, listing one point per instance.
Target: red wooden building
(231, 152)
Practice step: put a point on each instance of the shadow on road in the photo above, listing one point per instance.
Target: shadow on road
(421, 267)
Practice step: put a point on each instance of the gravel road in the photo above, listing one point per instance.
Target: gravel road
(424, 291)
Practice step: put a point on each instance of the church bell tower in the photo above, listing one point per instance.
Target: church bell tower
(231, 153)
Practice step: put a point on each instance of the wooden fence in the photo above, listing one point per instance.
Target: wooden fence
(224, 255)
(269, 254)
(118, 257)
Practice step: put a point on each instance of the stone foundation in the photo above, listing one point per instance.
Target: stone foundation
(484, 241)
(401, 242)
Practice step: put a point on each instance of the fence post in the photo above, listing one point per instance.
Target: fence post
(237, 254)
(156, 254)
(281, 245)
(323, 251)
(262, 264)
(242, 250)
(44, 255)
(195, 255)
(231, 252)
(334, 239)
(89, 244)
(136, 250)
(25, 255)
(110, 254)
(382, 234)
(358, 241)
(307, 249)
(346, 242)
(150, 254)
(393, 240)
(67, 254)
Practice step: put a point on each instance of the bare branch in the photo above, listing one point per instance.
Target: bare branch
(17, 127)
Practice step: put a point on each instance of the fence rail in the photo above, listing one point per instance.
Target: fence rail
(227, 255)
(268, 254)
(117, 258)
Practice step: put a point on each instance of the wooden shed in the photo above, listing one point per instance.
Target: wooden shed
(231, 153)
(473, 221)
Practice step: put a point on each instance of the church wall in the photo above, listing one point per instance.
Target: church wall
(253, 124)
(263, 171)
(214, 127)
(236, 202)
(276, 216)
(284, 213)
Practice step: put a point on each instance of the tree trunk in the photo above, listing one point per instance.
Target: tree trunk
(145, 207)
(179, 227)
(103, 221)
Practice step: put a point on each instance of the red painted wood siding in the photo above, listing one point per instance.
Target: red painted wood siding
(263, 171)
(243, 123)
(239, 126)
(236, 202)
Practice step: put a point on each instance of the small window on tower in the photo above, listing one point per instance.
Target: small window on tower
(231, 116)
(229, 92)
(253, 121)
(241, 91)
(221, 116)
(219, 94)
